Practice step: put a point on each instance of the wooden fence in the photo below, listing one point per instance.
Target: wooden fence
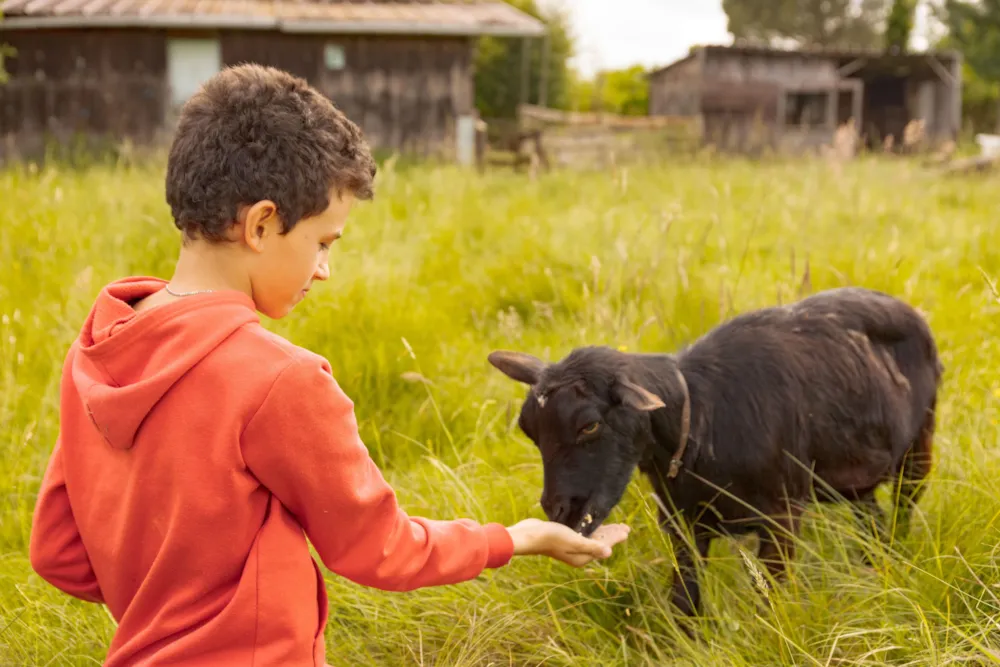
(552, 137)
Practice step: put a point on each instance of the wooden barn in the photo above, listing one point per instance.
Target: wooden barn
(402, 69)
(749, 97)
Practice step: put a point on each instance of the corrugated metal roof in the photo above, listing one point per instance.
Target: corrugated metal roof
(840, 52)
(458, 17)
(833, 53)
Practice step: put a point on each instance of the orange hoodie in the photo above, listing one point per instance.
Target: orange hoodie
(194, 449)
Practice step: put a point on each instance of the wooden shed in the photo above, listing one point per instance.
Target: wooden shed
(121, 69)
(750, 96)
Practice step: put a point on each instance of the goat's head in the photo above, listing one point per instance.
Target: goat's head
(589, 420)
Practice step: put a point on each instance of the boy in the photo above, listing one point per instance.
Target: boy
(197, 451)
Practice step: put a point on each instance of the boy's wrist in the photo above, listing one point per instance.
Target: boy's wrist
(525, 536)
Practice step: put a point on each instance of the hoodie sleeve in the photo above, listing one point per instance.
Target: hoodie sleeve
(56, 549)
(303, 444)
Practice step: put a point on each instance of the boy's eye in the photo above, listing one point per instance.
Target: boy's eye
(590, 429)
(324, 246)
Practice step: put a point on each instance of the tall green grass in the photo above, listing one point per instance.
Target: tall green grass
(446, 266)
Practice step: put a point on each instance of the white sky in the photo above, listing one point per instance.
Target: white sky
(612, 34)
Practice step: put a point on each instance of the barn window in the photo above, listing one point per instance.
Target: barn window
(806, 109)
(333, 56)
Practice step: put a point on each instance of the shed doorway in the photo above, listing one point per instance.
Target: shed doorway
(886, 110)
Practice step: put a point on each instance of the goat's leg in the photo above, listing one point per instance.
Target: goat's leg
(686, 592)
(867, 511)
(915, 467)
(777, 542)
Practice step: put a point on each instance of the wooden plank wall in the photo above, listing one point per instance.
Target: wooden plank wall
(70, 82)
(674, 92)
(789, 70)
(405, 93)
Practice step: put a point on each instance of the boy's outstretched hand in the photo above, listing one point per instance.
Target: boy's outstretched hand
(534, 537)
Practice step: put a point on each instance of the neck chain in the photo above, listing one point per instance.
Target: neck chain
(173, 293)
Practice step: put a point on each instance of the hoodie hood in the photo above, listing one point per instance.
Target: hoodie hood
(126, 361)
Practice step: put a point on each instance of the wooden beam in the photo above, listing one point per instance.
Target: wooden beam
(939, 69)
(537, 114)
(976, 163)
(852, 67)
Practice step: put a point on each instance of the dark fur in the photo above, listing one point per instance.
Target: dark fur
(843, 383)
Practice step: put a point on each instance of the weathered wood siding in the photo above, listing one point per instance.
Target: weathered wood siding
(740, 116)
(405, 93)
(750, 105)
(675, 91)
(65, 82)
(748, 99)
(787, 69)
(931, 101)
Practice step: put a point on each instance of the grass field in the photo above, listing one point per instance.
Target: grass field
(443, 268)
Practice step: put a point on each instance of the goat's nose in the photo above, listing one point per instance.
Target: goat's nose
(559, 510)
(555, 509)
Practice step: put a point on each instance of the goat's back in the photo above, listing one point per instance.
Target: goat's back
(842, 380)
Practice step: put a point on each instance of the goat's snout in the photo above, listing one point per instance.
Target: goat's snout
(562, 509)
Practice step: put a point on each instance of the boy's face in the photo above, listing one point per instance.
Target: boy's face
(282, 268)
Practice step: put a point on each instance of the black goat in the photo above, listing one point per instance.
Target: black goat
(841, 385)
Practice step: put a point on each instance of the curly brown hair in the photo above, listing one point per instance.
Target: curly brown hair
(251, 133)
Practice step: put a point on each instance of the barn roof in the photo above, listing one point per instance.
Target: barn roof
(833, 53)
(426, 17)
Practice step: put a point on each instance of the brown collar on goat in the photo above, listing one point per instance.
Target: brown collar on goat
(675, 462)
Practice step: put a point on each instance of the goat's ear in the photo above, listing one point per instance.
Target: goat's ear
(637, 397)
(518, 366)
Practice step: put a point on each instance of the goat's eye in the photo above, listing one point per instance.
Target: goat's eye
(590, 429)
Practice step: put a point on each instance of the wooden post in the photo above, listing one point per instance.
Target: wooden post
(956, 94)
(543, 86)
(598, 102)
(781, 110)
(831, 107)
(857, 108)
(481, 146)
(525, 69)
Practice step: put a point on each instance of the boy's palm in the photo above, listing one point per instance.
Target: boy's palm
(533, 537)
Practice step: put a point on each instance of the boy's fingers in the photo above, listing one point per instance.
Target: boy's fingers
(578, 560)
(611, 534)
(578, 550)
(583, 546)
(600, 543)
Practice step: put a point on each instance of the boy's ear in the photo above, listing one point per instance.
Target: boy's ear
(260, 222)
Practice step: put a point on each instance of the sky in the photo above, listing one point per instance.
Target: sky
(612, 34)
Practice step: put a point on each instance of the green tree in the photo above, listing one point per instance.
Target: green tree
(626, 91)
(580, 92)
(5, 52)
(815, 23)
(974, 28)
(899, 25)
(498, 66)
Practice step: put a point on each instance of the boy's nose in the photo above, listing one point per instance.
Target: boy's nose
(322, 271)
